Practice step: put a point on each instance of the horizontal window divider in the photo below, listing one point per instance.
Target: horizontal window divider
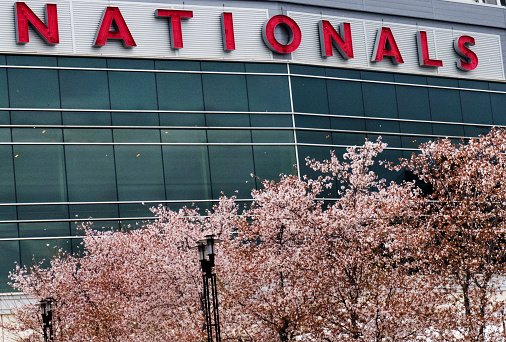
(45, 143)
(346, 146)
(121, 202)
(42, 238)
(77, 220)
(226, 112)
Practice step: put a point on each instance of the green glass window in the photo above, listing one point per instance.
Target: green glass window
(178, 91)
(268, 93)
(132, 90)
(84, 89)
(33, 88)
(225, 92)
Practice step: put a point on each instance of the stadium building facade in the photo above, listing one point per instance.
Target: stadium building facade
(110, 107)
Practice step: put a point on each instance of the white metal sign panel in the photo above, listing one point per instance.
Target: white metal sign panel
(161, 30)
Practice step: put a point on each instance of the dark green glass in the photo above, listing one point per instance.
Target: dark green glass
(84, 89)
(132, 90)
(177, 91)
(268, 93)
(34, 88)
(225, 92)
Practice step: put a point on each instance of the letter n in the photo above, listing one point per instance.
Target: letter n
(24, 16)
(329, 37)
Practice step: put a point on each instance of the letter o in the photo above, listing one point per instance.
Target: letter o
(271, 41)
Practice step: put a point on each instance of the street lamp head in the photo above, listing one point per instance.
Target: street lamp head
(202, 251)
(46, 306)
(210, 241)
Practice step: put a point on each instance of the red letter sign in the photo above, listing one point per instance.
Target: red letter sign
(294, 31)
(25, 16)
(227, 31)
(469, 60)
(176, 33)
(112, 16)
(329, 36)
(386, 46)
(423, 51)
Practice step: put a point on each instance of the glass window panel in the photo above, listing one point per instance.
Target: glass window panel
(473, 84)
(35, 251)
(271, 161)
(182, 119)
(7, 189)
(380, 100)
(448, 130)
(352, 139)
(222, 66)
(90, 173)
(8, 213)
(84, 89)
(5, 119)
(231, 169)
(382, 126)
(415, 127)
(43, 212)
(34, 88)
(342, 73)
(410, 79)
(278, 68)
(8, 230)
(37, 135)
(345, 97)
(312, 121)
(347, 123)
(444, 82)
(445, 105)
(135, 119)
(139, 173)
(82, 212)
(225, 92)
(271, 120)
(132, 90)
(189, 180)
(179, 91)
(268, 93)
(44, 229)
(85, 62)
(377, 76)
(413, 103)
(314, 137)
(177, 65)
(31, 60)
(307, 70)
(309, 95)
(229, 136)
(4, 99)
(498, 102)
(40, 173)
(228, 120)
(272, 136)
(382, 172)
(9, 254)
(475, 131)
(35, 118)
(87, 118)
(137, 135)
(124, 63)
(184, 135)
(476, 107)
(87, 135)
(134, 210)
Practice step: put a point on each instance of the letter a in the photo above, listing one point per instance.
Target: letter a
(386, 46)
(112, 16)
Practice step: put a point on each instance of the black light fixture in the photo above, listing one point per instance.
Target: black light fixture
(206, 250)
(46, 311)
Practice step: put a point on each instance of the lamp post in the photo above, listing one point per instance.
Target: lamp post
(46, 311)
(210, 296)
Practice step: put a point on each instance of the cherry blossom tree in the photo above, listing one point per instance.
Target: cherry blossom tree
(384, 262)
(463, 235)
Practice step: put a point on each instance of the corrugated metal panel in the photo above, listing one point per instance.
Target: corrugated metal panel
(202, 35)
(440, 41)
